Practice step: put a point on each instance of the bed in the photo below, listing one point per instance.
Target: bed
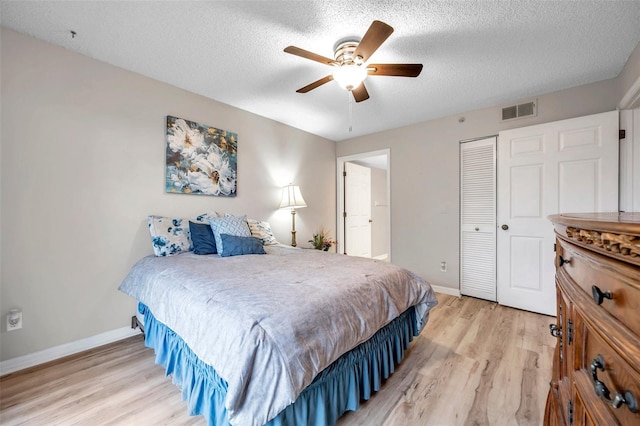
(292, 336)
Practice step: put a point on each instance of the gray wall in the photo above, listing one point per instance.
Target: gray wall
(630, 77)
(379, 213)
(82, 165)
(425, 174)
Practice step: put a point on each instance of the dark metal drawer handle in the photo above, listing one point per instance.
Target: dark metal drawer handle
(555, 330)
(562, 261)
(603, 392)
(599, 295)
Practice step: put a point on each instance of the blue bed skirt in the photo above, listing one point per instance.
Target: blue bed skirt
(337, 389)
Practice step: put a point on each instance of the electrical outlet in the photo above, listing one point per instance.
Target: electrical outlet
(443, 266)
(14, 320)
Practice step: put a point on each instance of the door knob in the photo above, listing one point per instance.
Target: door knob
(505, 227)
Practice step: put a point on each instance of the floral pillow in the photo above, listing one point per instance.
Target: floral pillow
(230, 225)
(171, 236)
(204, 217)
(262, 230)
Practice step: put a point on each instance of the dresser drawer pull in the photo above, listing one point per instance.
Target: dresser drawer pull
(599, 295)
(555, 330)
(603, 392)
(562, 261)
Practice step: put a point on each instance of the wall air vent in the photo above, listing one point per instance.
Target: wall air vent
(528, 109)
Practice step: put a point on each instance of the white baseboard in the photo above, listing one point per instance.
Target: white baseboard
(46, 355)
(381, 257)
(446, 290)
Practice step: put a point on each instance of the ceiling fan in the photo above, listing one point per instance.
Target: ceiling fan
(350, 62)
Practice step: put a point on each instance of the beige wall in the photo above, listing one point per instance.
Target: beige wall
(82, 165)
(379, 213)
(425, 174)
(629, 79)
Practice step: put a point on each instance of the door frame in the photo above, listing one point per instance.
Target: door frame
(340, 194)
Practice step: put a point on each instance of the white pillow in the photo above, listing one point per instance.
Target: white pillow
(263, 231)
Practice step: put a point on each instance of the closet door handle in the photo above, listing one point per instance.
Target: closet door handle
(505, 227)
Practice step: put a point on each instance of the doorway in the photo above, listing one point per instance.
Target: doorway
(376, 227)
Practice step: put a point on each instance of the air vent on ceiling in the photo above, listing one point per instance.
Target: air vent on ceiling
(527, 109)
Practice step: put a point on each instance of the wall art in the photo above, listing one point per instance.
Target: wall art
(200, 159)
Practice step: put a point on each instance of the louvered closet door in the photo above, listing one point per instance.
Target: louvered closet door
(478, 218)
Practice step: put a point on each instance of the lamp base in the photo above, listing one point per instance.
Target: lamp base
(293, 228)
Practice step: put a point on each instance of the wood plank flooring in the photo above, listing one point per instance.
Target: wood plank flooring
(476, 363)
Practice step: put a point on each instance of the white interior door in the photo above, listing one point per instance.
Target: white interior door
(568, 166)
(357, 222)
(478, 218)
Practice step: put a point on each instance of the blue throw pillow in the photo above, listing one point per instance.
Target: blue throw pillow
(202, 238)
(236, 246)
(231, 225)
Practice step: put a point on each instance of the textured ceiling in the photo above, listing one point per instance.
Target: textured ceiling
(475, 54)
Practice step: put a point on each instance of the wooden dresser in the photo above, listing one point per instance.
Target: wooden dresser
(596, 365)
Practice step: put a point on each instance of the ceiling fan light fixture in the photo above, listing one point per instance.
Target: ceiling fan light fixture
(351, 62)
(349, 76)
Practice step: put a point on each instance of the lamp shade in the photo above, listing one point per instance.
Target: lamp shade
(292, 197)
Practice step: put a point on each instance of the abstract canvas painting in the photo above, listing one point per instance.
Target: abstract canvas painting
(200, 159)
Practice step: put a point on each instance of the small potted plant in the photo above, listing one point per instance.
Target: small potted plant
(322, 240)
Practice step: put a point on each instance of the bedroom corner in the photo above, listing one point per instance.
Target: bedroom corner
(83, 165)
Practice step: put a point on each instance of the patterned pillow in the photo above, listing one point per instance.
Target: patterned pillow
(204, 217)
(230, 225)
(263, 231)
(169, 236)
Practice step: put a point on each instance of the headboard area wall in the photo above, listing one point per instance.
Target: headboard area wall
(83, 164)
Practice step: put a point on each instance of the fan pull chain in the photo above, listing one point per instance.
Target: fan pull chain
(350, 101)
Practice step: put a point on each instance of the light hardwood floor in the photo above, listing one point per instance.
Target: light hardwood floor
(476, 363)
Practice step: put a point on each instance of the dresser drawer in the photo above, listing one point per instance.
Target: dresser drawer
(617, 281)
(596, 359)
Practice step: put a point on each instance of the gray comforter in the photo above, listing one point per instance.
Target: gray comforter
(270, 323)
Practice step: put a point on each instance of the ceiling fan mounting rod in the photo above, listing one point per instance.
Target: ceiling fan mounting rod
(344, 53)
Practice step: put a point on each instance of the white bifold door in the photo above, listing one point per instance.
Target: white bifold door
(478, 218)
(568, 166)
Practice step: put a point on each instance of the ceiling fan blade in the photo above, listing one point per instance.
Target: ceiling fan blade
(360, 93)
(309, 55)
(315, 84)
(377, 33)
(397, 70)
